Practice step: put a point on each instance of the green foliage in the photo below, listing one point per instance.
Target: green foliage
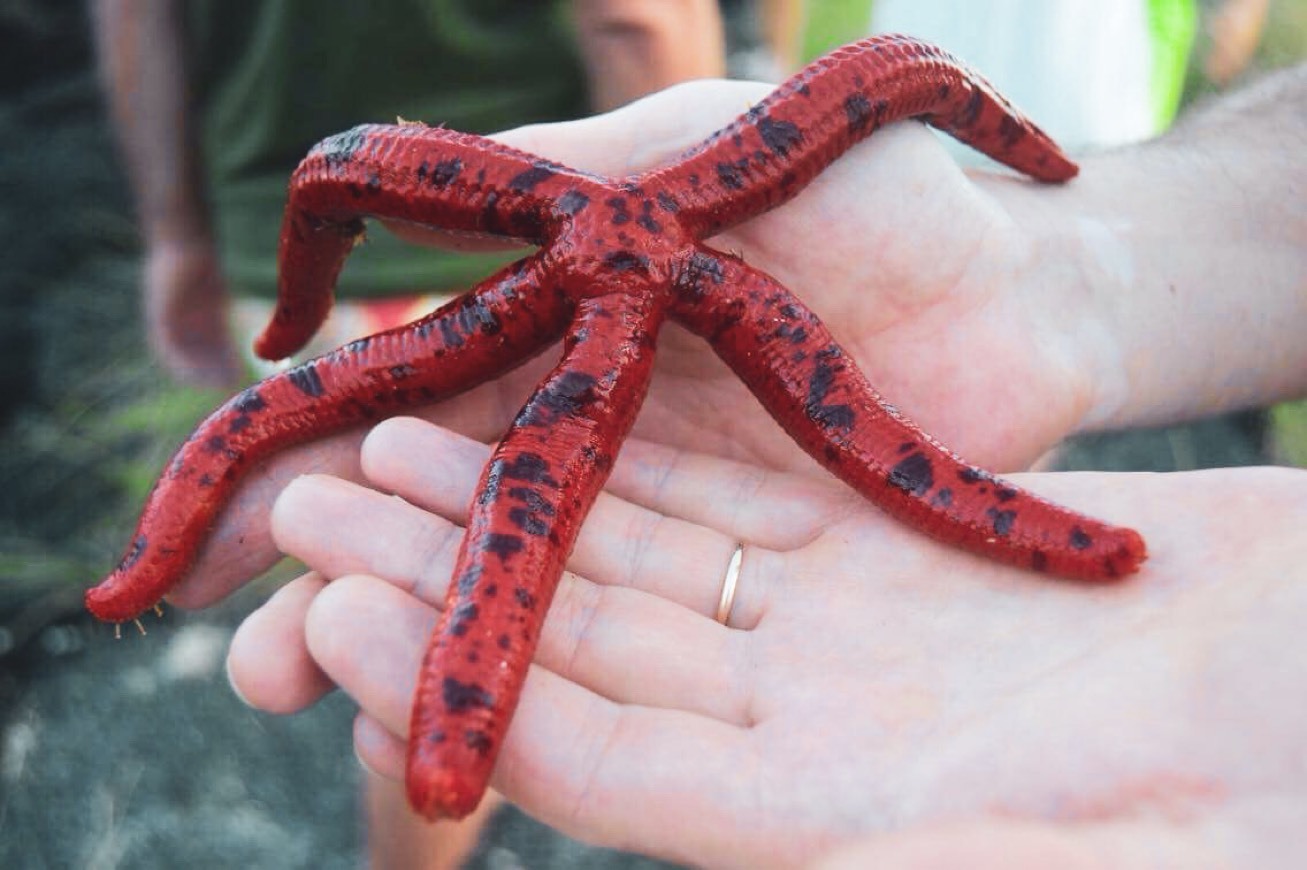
(155, 424)
(1289, 432)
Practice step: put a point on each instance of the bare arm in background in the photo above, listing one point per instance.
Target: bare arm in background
(185, 299)
(635, 47)
(631, 48)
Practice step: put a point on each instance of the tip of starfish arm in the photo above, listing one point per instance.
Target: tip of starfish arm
(442, 794)
(270, 349)
(1130, 554)
(109, 602)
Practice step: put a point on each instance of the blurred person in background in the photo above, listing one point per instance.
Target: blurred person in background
(216, 102)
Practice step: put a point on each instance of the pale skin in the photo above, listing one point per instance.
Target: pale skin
(875, 691)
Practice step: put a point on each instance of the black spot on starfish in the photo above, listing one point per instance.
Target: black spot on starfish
(134, 553)
(445, 172)
(530, 467)
(462, 616)
(340, 149)
(478, 741)
(913, 474)
(460, 697)
(306, 380)
(857, 113)
(527, 179)
(779, 136)
(1002, 520)
(502, 545)
(732, 173)
(626, 261)
(572, 202)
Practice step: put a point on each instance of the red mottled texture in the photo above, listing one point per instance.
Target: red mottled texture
(617, 258)
(533, 495)
(502, 322)
(790, 361)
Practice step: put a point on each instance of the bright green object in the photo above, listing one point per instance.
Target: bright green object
(1171, 25)
(832, 23)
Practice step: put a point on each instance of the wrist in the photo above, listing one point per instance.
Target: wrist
(1072, 277)
(1185, 256)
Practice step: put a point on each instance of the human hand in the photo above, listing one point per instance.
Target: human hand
(923, 274)
(871, 680)
(999, 314)
(186, 314)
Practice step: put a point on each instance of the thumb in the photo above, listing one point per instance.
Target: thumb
(642, 134)
(638, 136)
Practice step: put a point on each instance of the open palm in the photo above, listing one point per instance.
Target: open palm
(869, 679)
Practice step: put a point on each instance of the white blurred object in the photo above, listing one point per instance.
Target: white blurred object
(1081, 69)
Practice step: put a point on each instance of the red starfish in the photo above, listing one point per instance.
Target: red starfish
(615, 259)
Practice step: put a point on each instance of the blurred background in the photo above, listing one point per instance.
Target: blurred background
(135, 753)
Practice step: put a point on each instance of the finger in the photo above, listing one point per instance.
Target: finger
(268, 664)
(642, 134)
(580, 763)
(706, 498)
(621, 643)
(379, 749)
(338, 527)
(743, 501)
(240, 545)
(621, 544)
(571, 758)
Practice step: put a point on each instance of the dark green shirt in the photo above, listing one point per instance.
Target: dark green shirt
(269, 79)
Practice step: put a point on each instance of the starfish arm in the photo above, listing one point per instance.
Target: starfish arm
(770, 153)
(790, 361)
(524, 519)
(501, 323)
(407, 172)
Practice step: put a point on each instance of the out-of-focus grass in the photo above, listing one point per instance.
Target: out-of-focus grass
(168, 415)
(1289, 431)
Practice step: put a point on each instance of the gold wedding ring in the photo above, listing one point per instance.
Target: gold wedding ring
(727, 601)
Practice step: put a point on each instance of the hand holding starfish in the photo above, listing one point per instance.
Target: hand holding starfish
(617, 258)
(869, 681)
(797, 370)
